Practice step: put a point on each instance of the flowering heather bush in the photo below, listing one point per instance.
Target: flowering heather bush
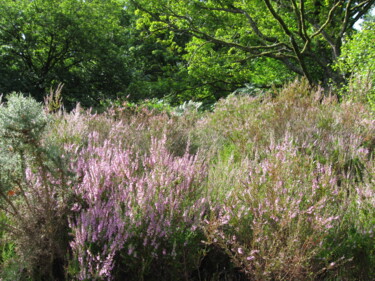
(274, 218)
(134, 126)
(282, 189)
(144, 208)
(72, 128)
(139, 127)
(354, 238)
(286, 182)
(329, 131)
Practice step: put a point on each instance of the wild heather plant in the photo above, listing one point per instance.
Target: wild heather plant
(272, 218)
(34, 189)
(282, 188)
(286, 183)
(328, 130)
(138, 126)
(145, 208)
(53, 102)
(134, 126)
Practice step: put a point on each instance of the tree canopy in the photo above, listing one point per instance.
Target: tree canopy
(172, 49)
(78, 43)
(304, 36)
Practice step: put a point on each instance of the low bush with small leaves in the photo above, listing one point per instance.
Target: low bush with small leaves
(34, 190)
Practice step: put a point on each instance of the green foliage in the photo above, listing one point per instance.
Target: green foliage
(79, 43)
(33, 189)
(171, 50)
(354, 238)
(232, 40)
(11, 267)
(23, 121)
(218, 71)
(161, 70)
(357, 62)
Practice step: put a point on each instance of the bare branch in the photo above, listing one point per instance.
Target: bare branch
(10, 203)
(10, 228)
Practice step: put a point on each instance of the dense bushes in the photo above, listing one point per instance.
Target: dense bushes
(272, 187)
(35, 192)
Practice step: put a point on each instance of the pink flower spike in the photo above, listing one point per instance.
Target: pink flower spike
(254, 252)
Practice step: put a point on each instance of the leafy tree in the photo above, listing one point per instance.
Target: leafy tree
(300, 37)
(357, 62)
(159, 60)
(80, 43)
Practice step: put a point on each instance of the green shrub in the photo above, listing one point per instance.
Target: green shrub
(357, 63)
(34, 189)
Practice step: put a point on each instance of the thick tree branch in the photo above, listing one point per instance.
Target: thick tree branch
(329, 19)
(292, 40)
(360, 5)
(303, 20)
(290, 65)
(299, 18)
(360, 10)
(345, 22)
